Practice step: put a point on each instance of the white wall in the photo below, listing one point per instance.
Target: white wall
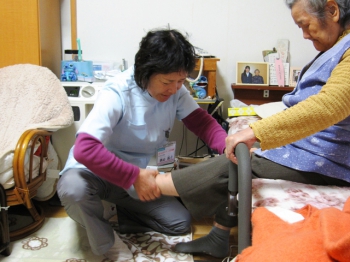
(232, 30)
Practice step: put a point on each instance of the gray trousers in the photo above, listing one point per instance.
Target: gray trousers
(81, 192)
(203, 187)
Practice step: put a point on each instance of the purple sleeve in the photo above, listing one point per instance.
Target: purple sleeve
(206, 128)
(90, 152)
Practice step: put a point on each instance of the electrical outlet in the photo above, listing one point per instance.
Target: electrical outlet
(266, 93)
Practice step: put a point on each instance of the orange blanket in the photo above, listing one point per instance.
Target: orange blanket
(324, 235)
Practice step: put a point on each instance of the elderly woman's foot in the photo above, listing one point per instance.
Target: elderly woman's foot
(215, 244)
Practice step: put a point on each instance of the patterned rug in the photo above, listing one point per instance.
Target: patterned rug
(63, 240)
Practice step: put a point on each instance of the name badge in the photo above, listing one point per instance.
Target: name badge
(166, 154)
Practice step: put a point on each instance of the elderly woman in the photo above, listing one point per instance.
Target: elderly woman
(257, 78)
(309, 142)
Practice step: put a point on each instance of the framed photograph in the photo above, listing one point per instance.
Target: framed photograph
(294, 74)
(252, 73)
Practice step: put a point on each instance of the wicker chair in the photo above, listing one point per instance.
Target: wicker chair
(27, 122)
(26, 189)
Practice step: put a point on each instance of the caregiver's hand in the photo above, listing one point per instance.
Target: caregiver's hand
(245, 136)
(146, 186)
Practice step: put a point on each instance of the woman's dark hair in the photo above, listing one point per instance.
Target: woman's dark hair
(246, 68)
(317, 8)
(163, 51)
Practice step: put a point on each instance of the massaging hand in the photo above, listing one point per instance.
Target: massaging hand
(245, 136)
(145, 185)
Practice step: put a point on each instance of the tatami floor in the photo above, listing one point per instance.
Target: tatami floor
(200, 228)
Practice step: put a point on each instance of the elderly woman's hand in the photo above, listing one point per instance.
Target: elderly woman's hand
(245, 136)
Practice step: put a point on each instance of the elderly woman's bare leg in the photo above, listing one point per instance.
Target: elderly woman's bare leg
(216, 243)
(166, 185)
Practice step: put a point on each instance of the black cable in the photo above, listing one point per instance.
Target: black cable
(196, 150)
(196, 146)
(183, 137)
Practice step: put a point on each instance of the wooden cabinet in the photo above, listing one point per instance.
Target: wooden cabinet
(258, 94)
(209, 70)
(31, 33)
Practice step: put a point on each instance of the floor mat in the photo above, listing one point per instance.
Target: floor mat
(63, 240)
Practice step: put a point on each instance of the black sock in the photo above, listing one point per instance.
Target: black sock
(216, 244)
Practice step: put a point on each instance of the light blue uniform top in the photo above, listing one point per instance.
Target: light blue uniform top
(131, 123)
(328, 151)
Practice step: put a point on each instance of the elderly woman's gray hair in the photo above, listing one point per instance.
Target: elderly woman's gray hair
(317, 8)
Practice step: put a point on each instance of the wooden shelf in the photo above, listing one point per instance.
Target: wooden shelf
(209, 70)
(204, 101)
(261, 87)
(259, 94)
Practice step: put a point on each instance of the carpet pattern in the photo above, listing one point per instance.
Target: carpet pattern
(63, 240)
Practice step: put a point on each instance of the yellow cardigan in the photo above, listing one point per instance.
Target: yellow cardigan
(328, 107)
